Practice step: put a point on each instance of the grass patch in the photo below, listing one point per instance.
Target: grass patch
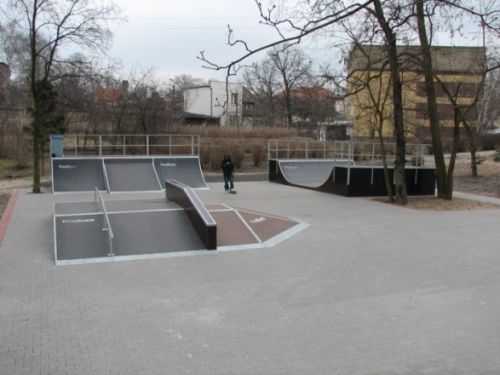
(12, 169)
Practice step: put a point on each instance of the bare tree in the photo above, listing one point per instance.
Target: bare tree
(261, 79)
(51, 25)
(294, 70)
(489, 110)
(426, 13)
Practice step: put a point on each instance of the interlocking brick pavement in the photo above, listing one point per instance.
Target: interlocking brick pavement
(367, 289)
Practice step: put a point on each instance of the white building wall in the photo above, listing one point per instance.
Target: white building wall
(223, 106)
(197, 101)
(211, 101)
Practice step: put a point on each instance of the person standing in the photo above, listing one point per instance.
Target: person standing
(227, 170)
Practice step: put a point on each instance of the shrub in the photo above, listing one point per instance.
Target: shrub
(489, 141)
(258, 153)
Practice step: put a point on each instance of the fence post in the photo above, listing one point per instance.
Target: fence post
(307, 151)
(124, 151)
(147, 144)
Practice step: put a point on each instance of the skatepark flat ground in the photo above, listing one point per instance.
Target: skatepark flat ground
(368, 288)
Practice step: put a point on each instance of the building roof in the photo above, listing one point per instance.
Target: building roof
(446, 59)
(109, 95)
(310, 93)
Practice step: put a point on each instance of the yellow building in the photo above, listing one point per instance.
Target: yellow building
(458, 70)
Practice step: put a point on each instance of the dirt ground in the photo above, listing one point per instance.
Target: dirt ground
(434, 204)
(487, 183)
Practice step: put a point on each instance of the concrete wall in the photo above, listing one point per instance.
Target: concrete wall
(211, 101)
(225, 108)
(197, 100)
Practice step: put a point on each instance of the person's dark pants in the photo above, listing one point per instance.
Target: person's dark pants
(228, 181)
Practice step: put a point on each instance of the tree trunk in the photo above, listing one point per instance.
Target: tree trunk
(288, 105)
(444, 188)
(473, 162)
(401, 196)
(454, 150)
(387, 180)
(473, 149)
(36, 148)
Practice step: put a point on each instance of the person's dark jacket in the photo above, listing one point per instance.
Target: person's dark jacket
(227, 167)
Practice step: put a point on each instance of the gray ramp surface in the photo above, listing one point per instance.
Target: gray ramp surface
(153, 232)
(80, 237)
(127, 174)
(309, 173)
(138, 233)
(75, 208)
(186, 170)
(77, 175)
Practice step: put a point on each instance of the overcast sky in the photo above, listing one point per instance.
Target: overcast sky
(167, 35)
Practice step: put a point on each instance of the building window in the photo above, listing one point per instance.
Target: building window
(233, 120)
(234, 98)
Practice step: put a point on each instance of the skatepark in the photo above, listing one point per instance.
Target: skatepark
(362, 287)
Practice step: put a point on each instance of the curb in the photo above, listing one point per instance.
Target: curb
(9, 210)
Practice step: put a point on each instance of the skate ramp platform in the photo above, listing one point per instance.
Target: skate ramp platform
(124, 174)
(184, 169)
(131, 174)
(346, 178)
(307, 173)
(114, 230)
(77, 175)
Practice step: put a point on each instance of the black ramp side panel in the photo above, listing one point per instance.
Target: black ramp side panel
(185, 170)
(80, 237)
(153, 232)
(308, 173)
(127, 174)
(77, 175)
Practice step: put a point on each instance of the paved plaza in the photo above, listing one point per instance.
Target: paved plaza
(367, 288)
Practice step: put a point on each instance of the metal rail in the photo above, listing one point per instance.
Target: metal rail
(107, 224)
(131, 144)
(361, 152)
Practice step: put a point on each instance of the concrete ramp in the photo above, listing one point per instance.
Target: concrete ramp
(135, 233)
(133, 229)
(74, 175)
(186, 170)
(131, 174)
(307, 173)
(80, 236)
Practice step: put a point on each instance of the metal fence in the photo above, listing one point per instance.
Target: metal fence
(130, 144)
(359, 152)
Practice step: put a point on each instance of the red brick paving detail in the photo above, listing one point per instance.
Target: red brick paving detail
(9, 210)
(231, 230)
(265, 226)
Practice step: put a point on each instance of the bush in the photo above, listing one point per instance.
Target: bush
(213, 150)
(489, 141)
(480, 159)
(258, 153)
